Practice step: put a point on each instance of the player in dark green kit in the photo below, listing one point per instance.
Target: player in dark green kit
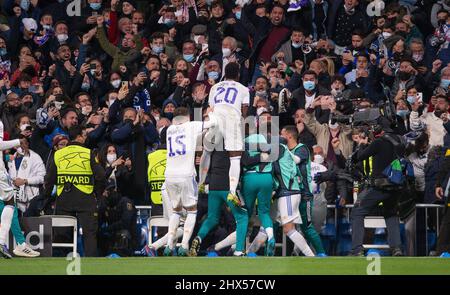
(217, 196)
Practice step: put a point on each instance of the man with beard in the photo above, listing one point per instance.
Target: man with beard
(8, 111)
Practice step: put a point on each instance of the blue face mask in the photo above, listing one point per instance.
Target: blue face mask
(445, 83)
(3, 51)
(309, 85)
(403, 113)
(169, 22)
(411, 99)
(296, 45)
(95, 6)
(25, 4)
(213, 75)
(157, 49)
(238, 14)
(188, 57)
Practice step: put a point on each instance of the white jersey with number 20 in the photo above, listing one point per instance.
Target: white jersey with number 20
(230, 93)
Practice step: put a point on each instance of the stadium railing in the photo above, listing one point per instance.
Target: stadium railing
(373, 220)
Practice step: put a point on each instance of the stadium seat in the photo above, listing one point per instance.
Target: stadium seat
(378, 223)
(66, 221)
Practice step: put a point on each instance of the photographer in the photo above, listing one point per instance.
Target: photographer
(325, 133)
(379, 189)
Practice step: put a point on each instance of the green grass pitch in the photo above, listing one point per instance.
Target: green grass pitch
(227, 265)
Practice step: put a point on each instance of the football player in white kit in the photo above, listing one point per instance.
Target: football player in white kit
(229, 100)
(180, 173)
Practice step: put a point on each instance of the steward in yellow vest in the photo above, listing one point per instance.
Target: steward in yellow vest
(79, 179)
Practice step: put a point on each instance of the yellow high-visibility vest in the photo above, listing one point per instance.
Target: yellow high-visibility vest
(73, 165)
(155, 173)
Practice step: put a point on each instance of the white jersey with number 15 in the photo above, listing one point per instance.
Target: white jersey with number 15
(230, 93)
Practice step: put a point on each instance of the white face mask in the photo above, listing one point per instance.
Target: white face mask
(196, 38)
(226, 52)
(116, 83)
(333, 126)
(386, 35)
(23, 127)
(111, 101)
(20, 151)
(62, 37)
(318, 159)
(260, 110)
(111, 158)
(86, 110)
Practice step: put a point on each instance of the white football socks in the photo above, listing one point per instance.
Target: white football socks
(234, 173)
(174, 221)
(228, 241)
(188, 228)
(300, 242)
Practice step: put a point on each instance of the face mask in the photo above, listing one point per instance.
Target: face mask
(111, 158)
(196, 38)
(85, 110)
(168, 116)
(262, 94)
(260, 110)
(296, 45)
(92, 72)
(411, 99)
(213, 75)
(226, 52)
(85, 86)
(23, 127)
(25, 4)
(157, 49)
(116, 83)
(445, 83)
(238, 14)
(95, 6)
(318, 159)
(62, 38)
(47, 27)
(333, 126)
(336, 92)
(386, 35)
(3, 51)
(417, 57)
(309, 85)
(188, 57)
(404, 76)
(20, 151)
(169, 22)
(402, 113)
(111, 101)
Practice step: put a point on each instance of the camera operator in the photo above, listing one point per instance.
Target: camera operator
(379, 189)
